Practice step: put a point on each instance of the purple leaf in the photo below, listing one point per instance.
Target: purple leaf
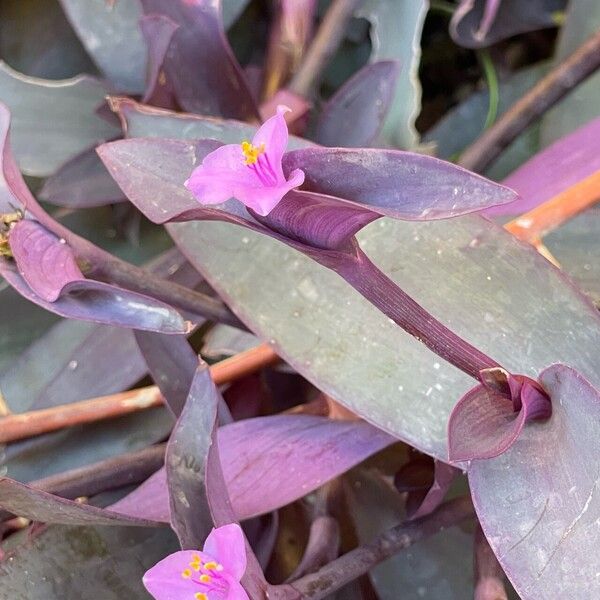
(259, 455)
(46, 263)
(555, 169)
(196, 47)
(489, 418)
(102, 303)
(195, 481)
(354, 115)
(151, 172)
(139, 120)
(478, 23)
(49, 276)
(64, 111)
(158, 32)
(443, 477)
(316, 220)
(172, 364)
(110, 33)
(82, 182)
(399, 184)
(538, 502)
(41, 506)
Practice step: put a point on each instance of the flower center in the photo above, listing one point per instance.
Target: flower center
(208, 578)
(251, 152)
(257, 159)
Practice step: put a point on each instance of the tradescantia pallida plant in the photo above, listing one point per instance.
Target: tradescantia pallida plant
(369, 270)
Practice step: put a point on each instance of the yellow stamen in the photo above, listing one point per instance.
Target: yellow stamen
(212, 566)
(251, 152)
(205, 578)
(200, 596)
(186, 574)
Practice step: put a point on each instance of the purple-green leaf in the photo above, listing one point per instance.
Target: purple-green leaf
(48, 508)
(191, 450)
(259, 454)
(196, 47)
(110, 33)
(82, 182)
(172, 363)
(158, 32)
(488, 419)
(48, 275)
(538, 502)
(399, 184)
(354, 115)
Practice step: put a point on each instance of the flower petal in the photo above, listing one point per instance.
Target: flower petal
(213, 181)
(236, 592)
(273, 133)
(264, 199)
(228, 546)
(164, 580)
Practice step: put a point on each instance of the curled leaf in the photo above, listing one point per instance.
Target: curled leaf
(46, 272)
(489, 418)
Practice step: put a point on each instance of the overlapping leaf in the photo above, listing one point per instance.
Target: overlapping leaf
(52, 121)
(258, 456)
(354, 115)
(543, 494)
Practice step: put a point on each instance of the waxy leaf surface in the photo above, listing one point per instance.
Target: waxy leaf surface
(52, 121)
(396, 35)
(82, 182)
(197, 46)
(259, 456)
(47, 508)
(539, 503)
(72, 563)
(354, 115)
(492, 290)
(399, 184)
(110, 33)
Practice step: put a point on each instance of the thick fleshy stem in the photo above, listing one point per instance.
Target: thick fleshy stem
(359, 561)
(367, 279)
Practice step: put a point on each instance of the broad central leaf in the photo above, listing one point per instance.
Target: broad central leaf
(494, 291)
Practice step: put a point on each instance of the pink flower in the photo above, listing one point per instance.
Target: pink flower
(250, 172)
(213, 573)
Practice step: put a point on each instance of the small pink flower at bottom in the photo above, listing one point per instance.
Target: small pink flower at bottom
(213, 573)
(250, 172)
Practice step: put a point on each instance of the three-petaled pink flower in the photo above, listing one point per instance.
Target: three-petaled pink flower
(250, 172)
(213, 573)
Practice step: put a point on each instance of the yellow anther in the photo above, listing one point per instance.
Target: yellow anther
(186, 574)
(212, 566)
(205, 578)
(251, 152)
(200, 596)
